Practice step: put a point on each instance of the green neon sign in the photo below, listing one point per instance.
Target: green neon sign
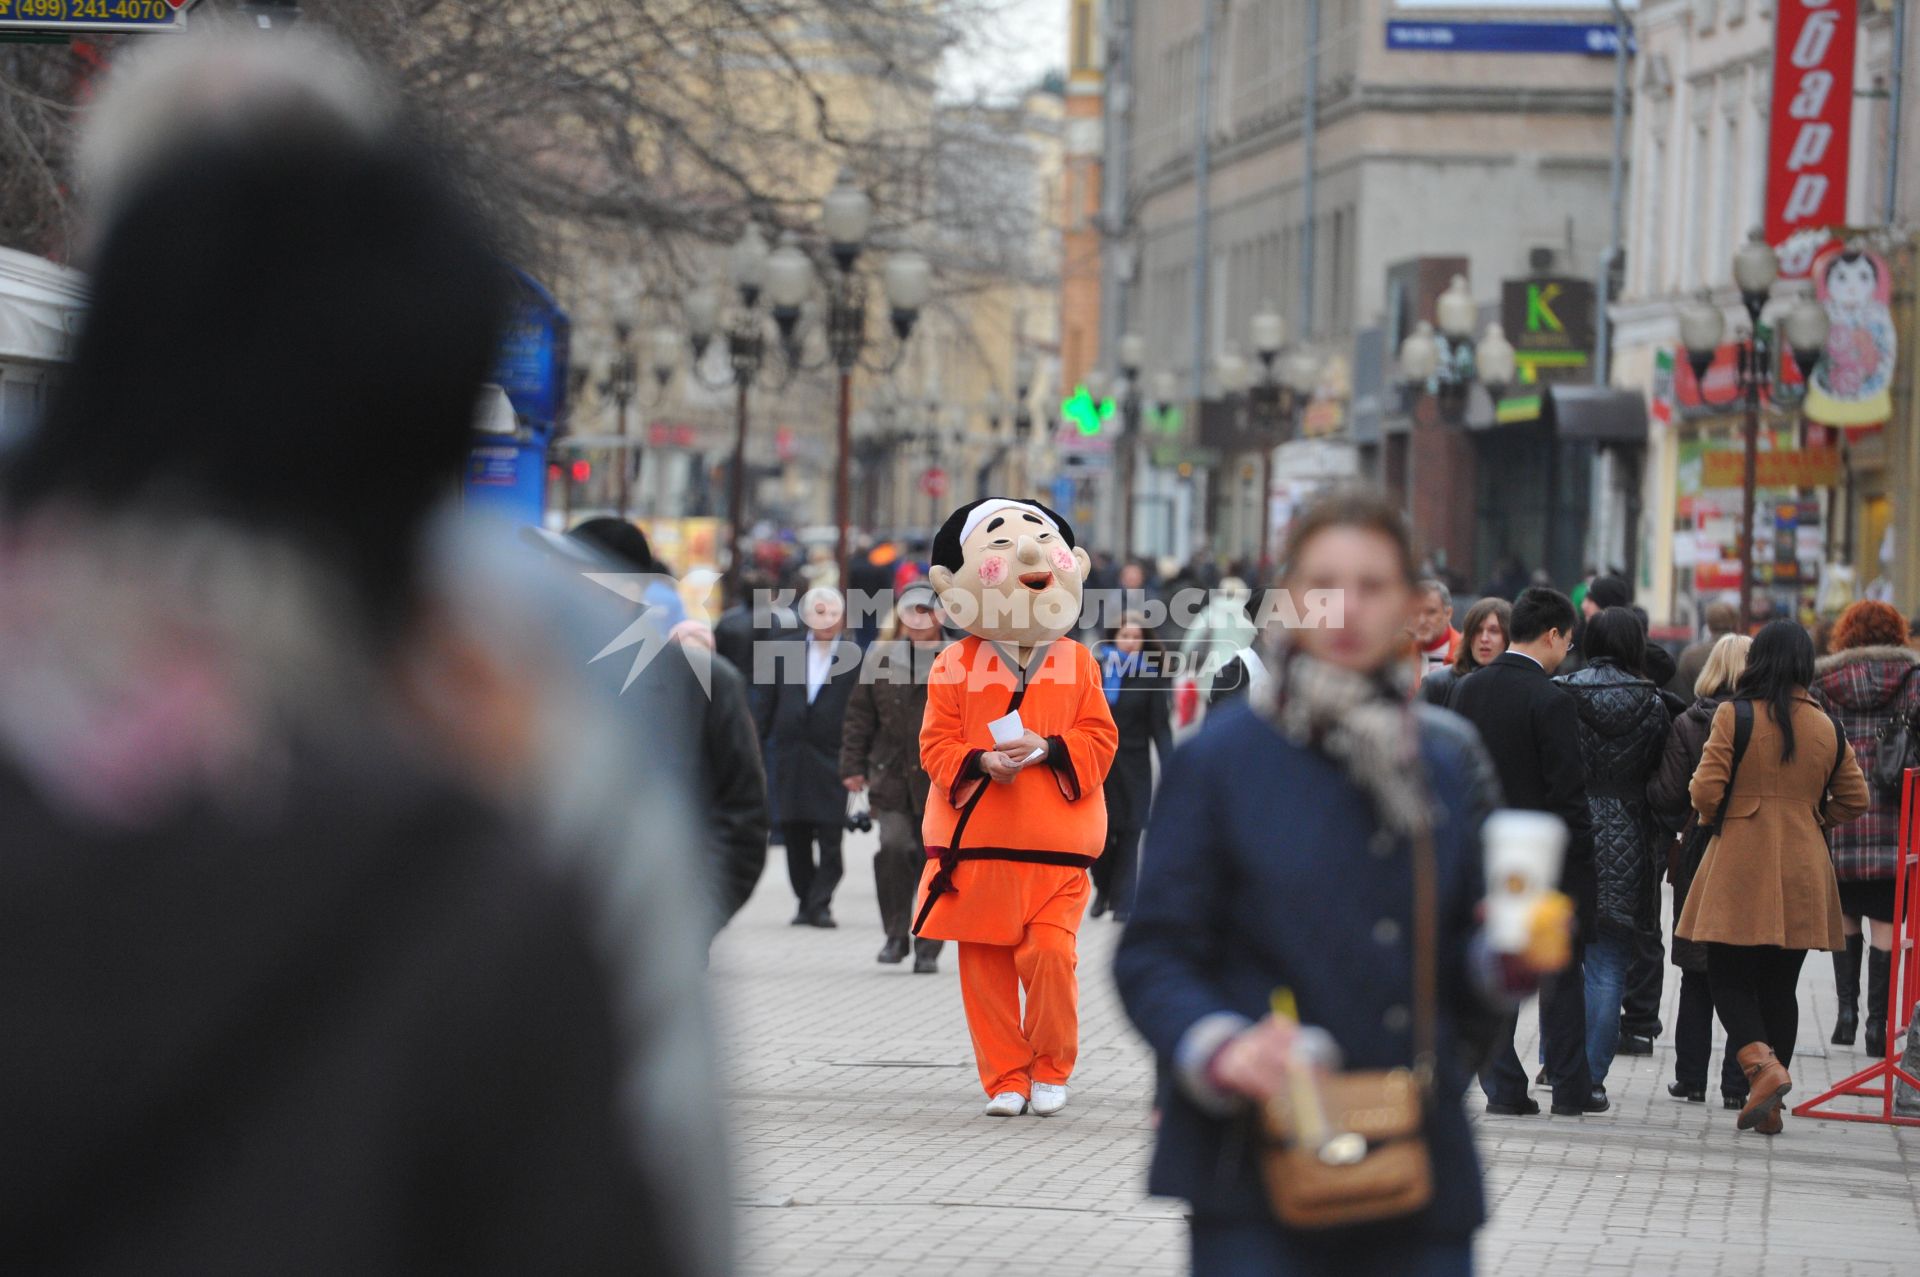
(1084, 413)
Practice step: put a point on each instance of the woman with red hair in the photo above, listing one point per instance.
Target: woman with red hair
(1868, 681)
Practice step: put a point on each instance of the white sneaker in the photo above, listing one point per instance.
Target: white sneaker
(1007, 1104)
(1048, 1099)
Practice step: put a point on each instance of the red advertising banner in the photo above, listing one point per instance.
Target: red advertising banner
(1809, 126)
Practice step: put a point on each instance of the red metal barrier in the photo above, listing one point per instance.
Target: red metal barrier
(1878, 1080)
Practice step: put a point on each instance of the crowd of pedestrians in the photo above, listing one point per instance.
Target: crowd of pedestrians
(366, 902)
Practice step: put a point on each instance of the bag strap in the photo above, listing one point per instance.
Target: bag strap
(1742, 733)
(1426, 943)
(1425, 957)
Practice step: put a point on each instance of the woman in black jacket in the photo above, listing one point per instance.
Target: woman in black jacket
(1673, 808)
(1623, 728)
(1483, 636)
(1133, 672)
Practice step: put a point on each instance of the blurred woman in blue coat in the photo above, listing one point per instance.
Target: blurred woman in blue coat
(1280, 856)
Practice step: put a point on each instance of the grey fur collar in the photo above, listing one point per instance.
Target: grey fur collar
(1857, 655)
(1362, 724)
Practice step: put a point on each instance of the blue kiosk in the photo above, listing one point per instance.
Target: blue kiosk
(506, 472)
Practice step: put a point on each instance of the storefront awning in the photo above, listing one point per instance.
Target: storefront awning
(1600, 414)
(41, 304)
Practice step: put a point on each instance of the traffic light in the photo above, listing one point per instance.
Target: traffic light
(582, 471)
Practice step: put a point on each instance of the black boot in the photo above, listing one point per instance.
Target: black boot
(1846, 984)
(1879, 968)
(894, 950)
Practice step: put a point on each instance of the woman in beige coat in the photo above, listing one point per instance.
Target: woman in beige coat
(1765, 893)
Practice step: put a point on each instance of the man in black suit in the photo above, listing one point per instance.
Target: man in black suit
(800, 717)
(1531, 730)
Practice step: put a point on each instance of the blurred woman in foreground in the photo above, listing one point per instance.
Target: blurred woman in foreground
(1331, 788)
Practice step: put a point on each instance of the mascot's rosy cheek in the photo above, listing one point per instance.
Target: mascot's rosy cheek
(993, 570)
(1063, 561)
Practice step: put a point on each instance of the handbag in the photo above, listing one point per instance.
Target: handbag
(1895, 746)
(1358, 1154)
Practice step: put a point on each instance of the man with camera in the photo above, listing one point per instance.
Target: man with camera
(880, 756)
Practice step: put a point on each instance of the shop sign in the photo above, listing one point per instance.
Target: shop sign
(1550, 323)
(1794, 468)
(1810, 121)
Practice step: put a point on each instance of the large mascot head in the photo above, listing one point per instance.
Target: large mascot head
(1009, 571)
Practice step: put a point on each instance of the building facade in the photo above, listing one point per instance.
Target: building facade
(1703, 93)
(1292, 155)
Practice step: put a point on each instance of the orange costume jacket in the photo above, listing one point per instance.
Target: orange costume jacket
(1001, 856)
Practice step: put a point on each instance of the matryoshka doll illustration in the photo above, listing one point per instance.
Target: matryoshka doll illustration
(1853, 385)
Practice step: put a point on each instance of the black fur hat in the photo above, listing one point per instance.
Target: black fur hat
(947, 552)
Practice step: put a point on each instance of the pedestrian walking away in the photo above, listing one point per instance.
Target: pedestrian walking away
(1531, 729)
(1871, 682)
(1673, 807)
(800, 720)
(1017, 742)
(1333, 787)
(880, 755)
(1776, 772)
(1622, 731)
(1133, 676)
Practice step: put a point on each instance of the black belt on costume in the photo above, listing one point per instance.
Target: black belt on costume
(950, 858)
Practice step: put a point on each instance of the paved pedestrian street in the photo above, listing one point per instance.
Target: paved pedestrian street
(860, 1147)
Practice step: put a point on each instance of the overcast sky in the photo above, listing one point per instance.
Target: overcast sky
(1026, 39)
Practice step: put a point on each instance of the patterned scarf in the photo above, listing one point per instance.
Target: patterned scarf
(1361, 723)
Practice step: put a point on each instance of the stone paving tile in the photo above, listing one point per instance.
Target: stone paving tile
(860, 1149)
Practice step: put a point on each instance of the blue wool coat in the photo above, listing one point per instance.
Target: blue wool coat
(1264, 867)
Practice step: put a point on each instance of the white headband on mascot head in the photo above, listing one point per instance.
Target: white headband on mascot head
(987, 509)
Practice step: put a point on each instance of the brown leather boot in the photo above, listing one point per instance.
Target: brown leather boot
(1768, 1081)
(1773, 1123)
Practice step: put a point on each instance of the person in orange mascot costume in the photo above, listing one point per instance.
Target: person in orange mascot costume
(1017, 740)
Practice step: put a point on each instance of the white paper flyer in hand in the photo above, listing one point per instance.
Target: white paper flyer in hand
(1007, 730)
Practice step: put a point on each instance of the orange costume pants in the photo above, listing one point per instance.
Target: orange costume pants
(1017, 926)
(1014, 1049)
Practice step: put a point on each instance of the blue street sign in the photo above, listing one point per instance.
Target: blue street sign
(1582, 38)
(1062, 493)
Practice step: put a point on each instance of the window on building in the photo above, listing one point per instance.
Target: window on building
(1653, 217)
(1725, 206)
(1083, 35)
(1695, 270)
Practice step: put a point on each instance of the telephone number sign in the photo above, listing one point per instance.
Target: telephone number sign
(92, 15)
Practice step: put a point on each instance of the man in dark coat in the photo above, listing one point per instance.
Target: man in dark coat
(1532, 730)
(880, 753)
(800, 719)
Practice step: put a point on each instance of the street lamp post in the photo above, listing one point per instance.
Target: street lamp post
(1023, 373)
(622, 381)
(745, 350)
(786, 275)
(1133, 353)
(1445, 364)
(1702, 326)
